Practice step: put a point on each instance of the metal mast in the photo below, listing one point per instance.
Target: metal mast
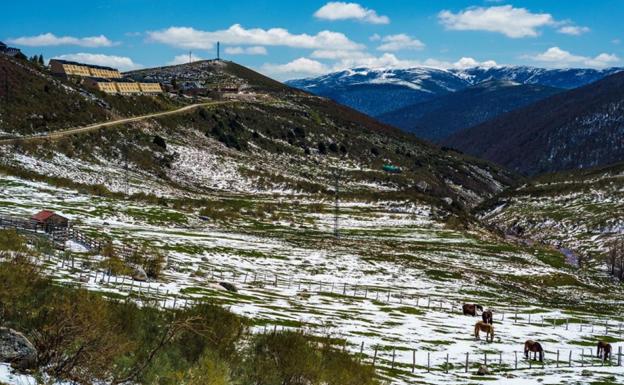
(336, 203)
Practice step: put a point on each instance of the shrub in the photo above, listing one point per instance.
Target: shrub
(11, 240)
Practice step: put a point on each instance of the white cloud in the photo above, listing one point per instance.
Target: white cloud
(121, 62)
(505, 19)
(338, 54)
(255, 50)
(387, 60)
(49, 39)
(184, 59)
(297, 68)
(187, 37)
(557, 57)
(400, 42)
(573, 30)
(338, 10)
(305, 67)
(468, 62)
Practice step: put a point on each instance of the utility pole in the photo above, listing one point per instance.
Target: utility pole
(218, 50)
(336, 203)
(126, 171)
(190, 57)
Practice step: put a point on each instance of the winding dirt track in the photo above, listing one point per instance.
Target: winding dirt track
(97, 126)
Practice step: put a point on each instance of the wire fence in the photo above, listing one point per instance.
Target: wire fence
(395, 358)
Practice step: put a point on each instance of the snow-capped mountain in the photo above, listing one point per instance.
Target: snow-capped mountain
(377, 91)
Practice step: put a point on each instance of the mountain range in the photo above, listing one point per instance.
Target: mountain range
(379, 91)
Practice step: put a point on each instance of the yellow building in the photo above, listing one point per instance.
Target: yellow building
(98, 72)
(101, 84)
(150, 88)
(69, 68)
(128, 88)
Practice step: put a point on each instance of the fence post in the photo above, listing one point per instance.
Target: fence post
(428, 362)
(393, 356)
(619, 356)
(582, 357)
(516, 360)
(557, 357)
(447, 363)
(566, 324)
(467, 363)
(375, 356)
(344, 289)
(413, 360)
(542, 325)
(516, 317)
(485, 358)
(529, 318)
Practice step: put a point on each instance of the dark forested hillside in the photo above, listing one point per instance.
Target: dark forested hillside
(576, 129)
(438, 118)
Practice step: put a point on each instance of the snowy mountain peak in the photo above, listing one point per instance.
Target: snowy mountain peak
(375, 91)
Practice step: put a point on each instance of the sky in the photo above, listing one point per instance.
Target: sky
(293, 39)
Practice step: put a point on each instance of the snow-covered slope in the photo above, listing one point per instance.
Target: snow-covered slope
(376, 91)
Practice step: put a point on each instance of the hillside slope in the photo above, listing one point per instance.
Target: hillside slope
(580, 210)
(576, 129)
(272, 139)
(34, 101)
(438, 118)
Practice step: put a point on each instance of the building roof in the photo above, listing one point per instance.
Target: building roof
(84, 64)
(2, 45)
(42, 216)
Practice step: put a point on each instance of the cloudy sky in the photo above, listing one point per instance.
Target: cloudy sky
(290, 39)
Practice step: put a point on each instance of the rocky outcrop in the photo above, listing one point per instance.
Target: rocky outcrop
(16, 349)
(139, 274)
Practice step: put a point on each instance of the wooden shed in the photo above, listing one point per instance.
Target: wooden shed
(48, 220)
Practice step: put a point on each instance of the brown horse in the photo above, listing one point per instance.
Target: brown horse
(471, 309)
(535, 347)
(487, 316)
(484, 327)
(605, 349)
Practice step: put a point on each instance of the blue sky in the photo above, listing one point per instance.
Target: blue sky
(288, 39)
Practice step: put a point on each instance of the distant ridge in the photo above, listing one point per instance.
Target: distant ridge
(378, 91)
(440, 117)
(579, 128)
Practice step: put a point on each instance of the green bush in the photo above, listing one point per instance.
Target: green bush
(11, 240)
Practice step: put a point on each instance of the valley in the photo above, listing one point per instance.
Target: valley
(299, 214)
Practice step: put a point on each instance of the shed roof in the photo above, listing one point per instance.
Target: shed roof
(43, 215)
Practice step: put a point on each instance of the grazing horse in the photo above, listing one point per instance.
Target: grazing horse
(484, 327)
(471, 309)
(487, 316)
(535, 347)
(605, 349)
